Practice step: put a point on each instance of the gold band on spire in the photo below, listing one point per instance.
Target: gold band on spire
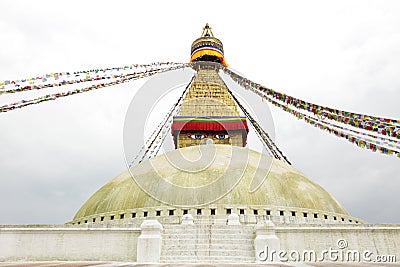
(208, 48)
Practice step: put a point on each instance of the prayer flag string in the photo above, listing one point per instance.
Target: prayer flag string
(369, 140)
(379, 125)
(13, 86)
(68, 78)
(156, 139)
(49, 97)
(262, 134)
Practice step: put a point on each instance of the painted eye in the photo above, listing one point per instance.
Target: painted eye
(221, 136)
(197, 136)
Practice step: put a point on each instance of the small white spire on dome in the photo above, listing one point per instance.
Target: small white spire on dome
(207, 32)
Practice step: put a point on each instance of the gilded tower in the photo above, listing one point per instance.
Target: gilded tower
(208, 112)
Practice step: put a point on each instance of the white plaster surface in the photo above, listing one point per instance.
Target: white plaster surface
(212, 243)
(33, 243)
(149, 242)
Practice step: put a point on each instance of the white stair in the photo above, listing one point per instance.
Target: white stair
(207, 243)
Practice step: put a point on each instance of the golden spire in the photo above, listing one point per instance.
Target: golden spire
(207, 48)
(208, 111)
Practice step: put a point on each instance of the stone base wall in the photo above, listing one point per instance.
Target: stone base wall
(119, 242)
(49, 243)
(348, 240)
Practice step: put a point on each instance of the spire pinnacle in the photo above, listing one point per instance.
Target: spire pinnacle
(207, 32)
(207, 48)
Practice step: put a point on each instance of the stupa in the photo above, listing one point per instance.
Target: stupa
(208, 114)
(210, 200)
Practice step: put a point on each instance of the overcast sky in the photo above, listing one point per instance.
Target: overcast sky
(342, 54)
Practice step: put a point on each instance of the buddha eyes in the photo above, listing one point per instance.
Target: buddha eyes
(202, 136)
(197, 136)
(221, 136)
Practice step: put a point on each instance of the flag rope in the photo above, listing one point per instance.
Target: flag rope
(356, 137)
(384, 126)
(36, 83)
(262, 134)
(49, 97)
(147, 150)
